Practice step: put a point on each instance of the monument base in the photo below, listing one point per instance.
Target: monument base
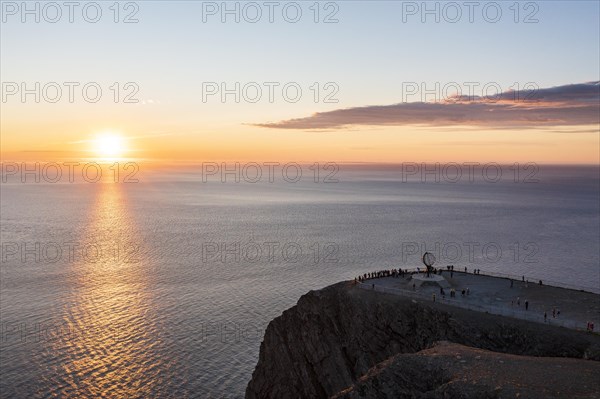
(435, 280)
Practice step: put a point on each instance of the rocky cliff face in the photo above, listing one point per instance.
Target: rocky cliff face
(331, 340)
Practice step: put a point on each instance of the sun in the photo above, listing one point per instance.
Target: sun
(109, 145)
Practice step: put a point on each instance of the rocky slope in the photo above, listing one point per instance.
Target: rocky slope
(346, 342)
(455, 371)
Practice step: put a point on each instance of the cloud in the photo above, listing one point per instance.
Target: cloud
(569, 105)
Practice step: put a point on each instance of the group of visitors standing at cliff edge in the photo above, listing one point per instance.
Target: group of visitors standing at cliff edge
(401, 273)
(395, 273)
(380, 274)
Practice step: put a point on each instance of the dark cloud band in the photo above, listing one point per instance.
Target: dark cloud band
(569, 105)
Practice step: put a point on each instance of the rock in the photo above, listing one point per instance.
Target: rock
(331, 341)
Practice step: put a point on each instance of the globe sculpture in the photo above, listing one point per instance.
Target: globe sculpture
(428, 261)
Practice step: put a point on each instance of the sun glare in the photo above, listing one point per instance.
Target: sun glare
(109, 146)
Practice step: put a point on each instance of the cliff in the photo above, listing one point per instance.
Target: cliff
(346, 342)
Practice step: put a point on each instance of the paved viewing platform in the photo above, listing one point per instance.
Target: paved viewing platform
(564, 307)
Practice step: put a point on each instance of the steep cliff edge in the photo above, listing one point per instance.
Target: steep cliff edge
(333, 338)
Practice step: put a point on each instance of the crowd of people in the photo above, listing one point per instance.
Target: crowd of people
(401, 273)
(380, 274)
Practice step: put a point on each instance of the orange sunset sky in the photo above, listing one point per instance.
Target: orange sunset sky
(396, 90)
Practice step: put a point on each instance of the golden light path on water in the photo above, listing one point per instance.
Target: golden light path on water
(111, 349)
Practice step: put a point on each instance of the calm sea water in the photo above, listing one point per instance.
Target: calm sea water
(163, 288)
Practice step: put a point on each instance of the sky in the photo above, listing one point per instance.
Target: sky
(377, 81)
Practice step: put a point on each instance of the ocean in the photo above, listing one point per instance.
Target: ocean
(163, 287)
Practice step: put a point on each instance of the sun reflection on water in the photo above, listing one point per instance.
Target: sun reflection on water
(112, 350)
